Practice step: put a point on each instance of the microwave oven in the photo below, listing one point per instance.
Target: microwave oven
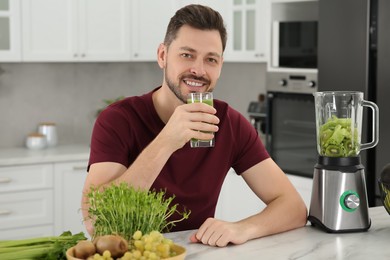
(295, 44)
(294, 40)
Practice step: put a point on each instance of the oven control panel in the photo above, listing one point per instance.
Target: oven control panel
(292, 82)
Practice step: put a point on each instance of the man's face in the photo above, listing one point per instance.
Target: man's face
(193, 62)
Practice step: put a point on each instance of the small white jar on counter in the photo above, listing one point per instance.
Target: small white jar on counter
(49, 129)
(36, 141)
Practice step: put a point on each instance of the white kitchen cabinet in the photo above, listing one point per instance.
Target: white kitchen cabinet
(76, 30)
(42, 199)
(69, 182)
(32, 208)
(26, 199)
(248, 31)
(10, 31)
(149, 20)
(122, 30)
(236, 200)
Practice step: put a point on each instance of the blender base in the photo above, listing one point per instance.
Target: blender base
(317, 223)
(339, 201)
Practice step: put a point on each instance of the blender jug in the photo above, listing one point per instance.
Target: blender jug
(339, 123)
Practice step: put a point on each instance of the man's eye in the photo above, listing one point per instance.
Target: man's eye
(212, 60)
(186, 55)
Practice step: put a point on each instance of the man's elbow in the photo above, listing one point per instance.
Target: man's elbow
(301, 213)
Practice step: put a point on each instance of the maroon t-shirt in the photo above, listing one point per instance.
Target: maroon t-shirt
(193, 175)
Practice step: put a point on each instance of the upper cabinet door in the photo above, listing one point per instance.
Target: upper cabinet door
(248, 31)
(149, 23)
(104, 30)
(76, 30)
(10, 30)
(49, 30)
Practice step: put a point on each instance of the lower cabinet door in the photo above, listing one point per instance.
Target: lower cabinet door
(69, 183)
(26, 209)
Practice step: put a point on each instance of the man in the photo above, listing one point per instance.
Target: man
(145, 140)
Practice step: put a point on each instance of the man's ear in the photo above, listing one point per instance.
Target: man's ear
(161, 55)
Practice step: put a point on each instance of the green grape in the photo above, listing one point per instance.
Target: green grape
(139, 244)
(107, 255)
(98, 257)
(127, 256)
(153, 256)
(163, 250)
(151, 246)
(137, 254)
(148, 247)
(137, 235)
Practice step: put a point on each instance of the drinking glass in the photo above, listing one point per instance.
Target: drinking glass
(207, 98)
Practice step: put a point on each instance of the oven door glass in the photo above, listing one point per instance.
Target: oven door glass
(291, 132)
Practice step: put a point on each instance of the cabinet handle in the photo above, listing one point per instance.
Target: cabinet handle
(5, 180)
(5, 212)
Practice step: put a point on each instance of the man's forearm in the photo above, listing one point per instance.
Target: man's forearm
(276, 218)
(148, 165)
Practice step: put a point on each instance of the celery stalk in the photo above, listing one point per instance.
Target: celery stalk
(32, 253)
(21, 248)
(53, 247)
(30, 241)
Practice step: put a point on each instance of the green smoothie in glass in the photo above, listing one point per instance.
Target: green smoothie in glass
(207, 98)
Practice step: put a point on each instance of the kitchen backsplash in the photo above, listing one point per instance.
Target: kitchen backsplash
(69, 94)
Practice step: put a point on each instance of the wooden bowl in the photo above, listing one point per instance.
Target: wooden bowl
(179, 250)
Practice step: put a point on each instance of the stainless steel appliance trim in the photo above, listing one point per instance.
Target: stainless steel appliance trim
(305, 83)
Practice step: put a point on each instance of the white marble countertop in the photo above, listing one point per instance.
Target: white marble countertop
(61, 153)
(304, 243)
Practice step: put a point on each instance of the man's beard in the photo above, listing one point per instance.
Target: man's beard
(176, 88)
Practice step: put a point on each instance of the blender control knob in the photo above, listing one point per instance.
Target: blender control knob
(352, 201)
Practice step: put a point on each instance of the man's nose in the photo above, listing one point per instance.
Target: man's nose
(198, 68)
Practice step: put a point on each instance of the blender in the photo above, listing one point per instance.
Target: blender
(339, 196)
